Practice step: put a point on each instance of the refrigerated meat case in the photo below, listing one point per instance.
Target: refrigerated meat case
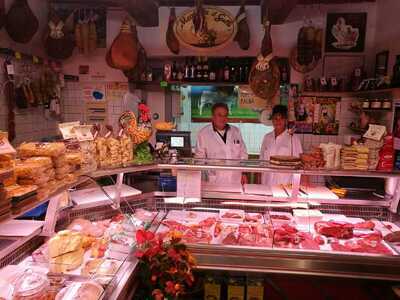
(217, 256)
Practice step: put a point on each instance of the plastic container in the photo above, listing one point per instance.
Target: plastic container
(81, 290)
(31, 286)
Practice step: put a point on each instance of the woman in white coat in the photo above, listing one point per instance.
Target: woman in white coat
(219, 140)
(279, 142)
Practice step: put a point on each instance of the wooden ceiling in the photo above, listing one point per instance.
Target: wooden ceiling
(115, 3)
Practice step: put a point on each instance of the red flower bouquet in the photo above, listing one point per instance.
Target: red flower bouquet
(166, 265)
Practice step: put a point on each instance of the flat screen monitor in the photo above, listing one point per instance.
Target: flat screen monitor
(179, 140)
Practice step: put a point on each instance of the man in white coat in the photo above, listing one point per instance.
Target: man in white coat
(279, 142)
(219, 140)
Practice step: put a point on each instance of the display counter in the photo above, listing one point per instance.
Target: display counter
(232, 231)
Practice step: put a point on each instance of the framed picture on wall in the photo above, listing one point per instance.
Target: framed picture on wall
(202, 98)
(381, 63)
(345, 32)
(326, 116)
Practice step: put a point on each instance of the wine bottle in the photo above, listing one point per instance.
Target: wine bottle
(192, 70)
(174, 71)
(186, 75)
(199, 70)
(226, 69)
(206, 71)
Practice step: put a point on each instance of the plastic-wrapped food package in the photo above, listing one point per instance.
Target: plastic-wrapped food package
(26, 150)
(114, 152)
(88, 150)
(42, 161)
(28, 170)
(81, 290)
(126, 150)
(31, 286)
(101, 151)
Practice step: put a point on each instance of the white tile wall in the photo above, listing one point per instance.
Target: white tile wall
(30, 124)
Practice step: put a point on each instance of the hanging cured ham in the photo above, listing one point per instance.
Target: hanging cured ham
(21, 23)
(123, 53)
(264, 75)
(134, 75)
(59, 43)
(243, 34)
(172, 41)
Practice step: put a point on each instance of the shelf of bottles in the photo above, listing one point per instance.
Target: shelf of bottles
(208, 70)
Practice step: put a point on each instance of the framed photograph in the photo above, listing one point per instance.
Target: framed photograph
(345, 32)
(326, 116)
(381, 63)
(202, 98)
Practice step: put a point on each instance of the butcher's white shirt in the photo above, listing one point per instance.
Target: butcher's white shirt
(210, 145)
(281, 145)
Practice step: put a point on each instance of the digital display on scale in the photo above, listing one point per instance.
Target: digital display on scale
(177, 141)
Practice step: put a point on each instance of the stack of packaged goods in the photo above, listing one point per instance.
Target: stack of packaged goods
(355, 157)
(373, 155)
(101, 152)
(66, 167)
(41, 157)
(89, 162)
(126, 150)
(114, 152)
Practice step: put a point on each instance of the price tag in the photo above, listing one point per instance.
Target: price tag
(323, 81)
(35, 59)
(18, 55)
(334, 81)
(163, 84)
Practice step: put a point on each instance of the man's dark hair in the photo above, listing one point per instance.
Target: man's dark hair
(219, 105)
(280, 110)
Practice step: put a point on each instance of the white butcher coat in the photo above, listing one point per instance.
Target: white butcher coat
(210, 145)
(281, 145)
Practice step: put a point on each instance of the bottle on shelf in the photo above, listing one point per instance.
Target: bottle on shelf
(226, 70)
(212, 71)
(206, 71)
(284, 75)
(174, 74)
(186, 72)
(192, 76)
(199, 69)
(246, 71)
(181, 73)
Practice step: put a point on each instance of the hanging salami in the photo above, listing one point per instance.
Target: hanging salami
(123, 52)
(172, 41)
(21, 24)
(243, 34)
(59, 43)
(199, 18)
(264, 75)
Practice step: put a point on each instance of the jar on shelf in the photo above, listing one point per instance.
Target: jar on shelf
(387, 104)
(376, 104)
(365, 104)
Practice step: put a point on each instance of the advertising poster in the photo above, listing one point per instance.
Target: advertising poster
(304, 114)
(326, 116)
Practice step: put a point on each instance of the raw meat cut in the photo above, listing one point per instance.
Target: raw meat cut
(195, 235)
(230, 239)
(365, 225)
(208, 222)
(174, 225)
(289, 237)
(364, 245)
(253, 218)
(393, 237)
(337, 230)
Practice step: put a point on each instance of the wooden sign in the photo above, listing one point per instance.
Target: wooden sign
(219, 30)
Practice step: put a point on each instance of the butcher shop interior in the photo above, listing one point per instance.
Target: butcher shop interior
(199, 149)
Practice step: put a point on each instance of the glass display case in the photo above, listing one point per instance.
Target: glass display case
(246, 228)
